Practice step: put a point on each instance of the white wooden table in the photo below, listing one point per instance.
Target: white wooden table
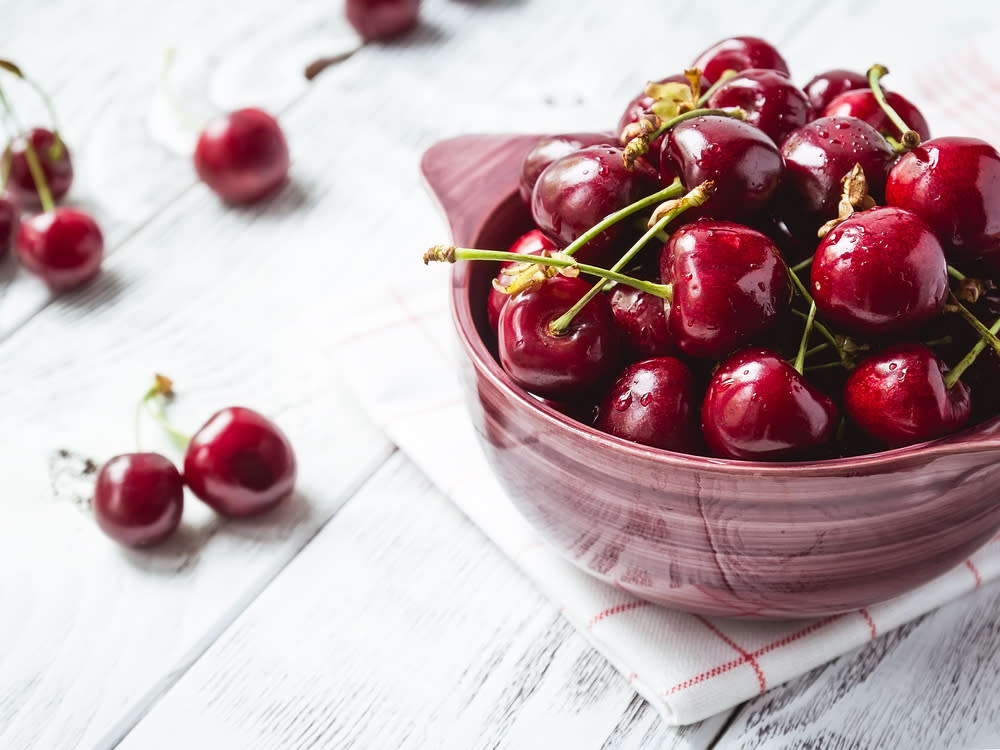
(368, 612)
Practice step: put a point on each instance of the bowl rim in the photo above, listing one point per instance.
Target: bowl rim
(984, 436)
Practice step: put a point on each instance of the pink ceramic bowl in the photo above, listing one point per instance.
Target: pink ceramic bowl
(706, 535)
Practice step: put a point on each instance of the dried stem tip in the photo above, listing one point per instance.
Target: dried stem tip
(440, 253)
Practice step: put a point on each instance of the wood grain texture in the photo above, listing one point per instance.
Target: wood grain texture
(399, 626)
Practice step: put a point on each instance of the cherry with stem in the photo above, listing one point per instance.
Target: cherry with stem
(910, 138)
(652, 128)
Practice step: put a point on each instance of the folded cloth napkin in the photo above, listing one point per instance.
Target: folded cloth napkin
(401, 362)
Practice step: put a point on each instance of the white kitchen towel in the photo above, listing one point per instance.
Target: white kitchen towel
(400, 360)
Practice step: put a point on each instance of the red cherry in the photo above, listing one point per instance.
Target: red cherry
(381, 19)
(770, 99)
(240, 463)
(758, 407)
(575, 192)
(738, 53)
(642, 320)
(825, 87)
(880, 272)
(558, 367)
(743, 163)
(10, 218)
(138, 499)
(651, 403)
(863, 105)
(953, 183)
(730, 287)
(817, 156)
(63, 246)
(55, 162)
(530, 243)
(242, 156)
(547, 150)
(899, 397)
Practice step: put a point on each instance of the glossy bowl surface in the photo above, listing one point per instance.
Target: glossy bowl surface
(734, 538)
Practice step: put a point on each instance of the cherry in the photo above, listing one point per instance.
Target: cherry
(730, 287)
(899, 396)
(242, 156)
(138, 499)
(530, 243)
(738, 158)
(381, 19)
(54, 159)
(565, 366)
(738, 53)
(651, 403)
(63, 246)
(759, 407)
(817, 157)
(880, 272)
(576, 191)
(240, 463)
(553, 147)
(641, 104)
(825, 87)
(10, 217)
(863, 105)
(953, 183)
(642, 320)
(770, 99)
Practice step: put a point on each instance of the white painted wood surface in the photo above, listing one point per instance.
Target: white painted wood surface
(398, 625)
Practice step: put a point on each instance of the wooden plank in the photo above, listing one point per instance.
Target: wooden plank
(932, 683)
(401, 626)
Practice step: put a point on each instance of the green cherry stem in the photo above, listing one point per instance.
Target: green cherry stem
(712, 89)
(800, 267)
(910, 138)
(954, 374)
(672, 210)
(640, 144)
(955, 273)
(31, 157)
(800, 358)
(985, 334)
(825, 333)
(153, 402)
(452, 254)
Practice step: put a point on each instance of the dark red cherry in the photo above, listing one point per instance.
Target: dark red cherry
(642, 320)
(63, 246)
(899, 397)
(558, 367)
(863, 105)
(575, 192)
(772, 102)
(817, 156)
(55, 161)
(640, 104)
(743, 163)
(553, 147)
(530, 243)
(382, 19)
(652, 403)
(825, 87)
(242, 156)
(730, 287)
(880, 272)
(953, 183)
(240, 463)
(10, 217)
(138, 499)
(760, 408)
(738, 53)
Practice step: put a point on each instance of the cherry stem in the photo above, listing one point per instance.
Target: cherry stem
(640, 144)
(799, 267)
(153, 402)
(953, 375)
(693, 199)
(34, 166)
(799, 286)
(711, 89)
(909, 138)
(186, 117)
(800, 358)
(825, 333)
(985, 334)
(824, 366)
(817, 349)
(452, 254)
(956, 274)
(56, 149)
(673, 190)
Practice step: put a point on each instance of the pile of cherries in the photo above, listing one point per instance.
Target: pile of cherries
(783, 273)
(239, 463)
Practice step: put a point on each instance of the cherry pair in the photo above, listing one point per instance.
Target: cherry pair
(239, 463)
